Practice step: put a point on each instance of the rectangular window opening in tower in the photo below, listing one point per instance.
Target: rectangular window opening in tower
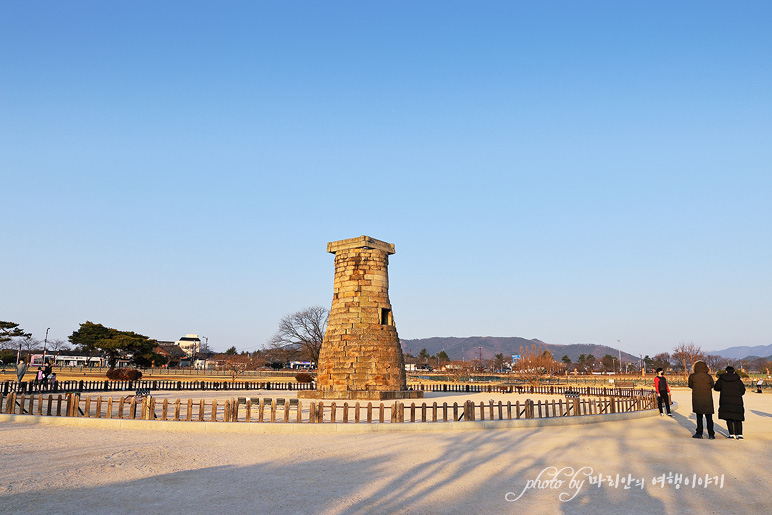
(386, 316)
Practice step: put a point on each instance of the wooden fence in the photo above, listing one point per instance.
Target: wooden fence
(295, 410)
(31, 387)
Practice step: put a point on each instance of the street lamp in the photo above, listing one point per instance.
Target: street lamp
(45, 343)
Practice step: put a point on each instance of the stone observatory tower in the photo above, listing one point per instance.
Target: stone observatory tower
(361, 357)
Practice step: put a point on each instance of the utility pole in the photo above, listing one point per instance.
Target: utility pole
(481, 363)
(205, 352)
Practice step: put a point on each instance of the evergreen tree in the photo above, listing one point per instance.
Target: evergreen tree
(10, 330)
(114, 343)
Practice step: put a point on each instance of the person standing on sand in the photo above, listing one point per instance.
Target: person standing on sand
(662, 389)
(701, 383)
(47, 370)
(730, 402)
(21, 369)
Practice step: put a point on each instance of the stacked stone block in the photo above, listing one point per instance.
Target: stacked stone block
(361, 357)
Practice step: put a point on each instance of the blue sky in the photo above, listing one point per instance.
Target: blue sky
(576, 172)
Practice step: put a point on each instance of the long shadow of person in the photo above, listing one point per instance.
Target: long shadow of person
(690, 424)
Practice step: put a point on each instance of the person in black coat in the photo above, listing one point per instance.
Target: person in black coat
(701, 383)
(730, 402)
(662, 389)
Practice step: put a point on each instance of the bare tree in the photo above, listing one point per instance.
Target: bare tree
(30, 345)
(459, 370)
(715, 362)
(58, 346)
(687, 354)
(661, 360)
(535, 364)
(303, 330)
(758, 364)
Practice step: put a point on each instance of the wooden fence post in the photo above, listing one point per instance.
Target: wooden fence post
(529, 412)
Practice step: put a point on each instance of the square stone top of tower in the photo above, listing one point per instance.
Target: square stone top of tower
(359, 243)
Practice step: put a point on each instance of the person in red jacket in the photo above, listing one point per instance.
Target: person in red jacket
(663, 392)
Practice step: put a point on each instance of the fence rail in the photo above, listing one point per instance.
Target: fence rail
(31, 387)
(280, 410)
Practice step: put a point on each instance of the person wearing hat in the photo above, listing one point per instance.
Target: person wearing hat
(730, 402)
(701, 383)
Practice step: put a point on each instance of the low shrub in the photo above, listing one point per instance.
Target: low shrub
(124, 374)
(304, 378)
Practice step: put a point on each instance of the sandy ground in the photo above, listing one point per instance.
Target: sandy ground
(52, 469)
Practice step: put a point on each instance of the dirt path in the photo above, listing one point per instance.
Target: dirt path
(70, 469)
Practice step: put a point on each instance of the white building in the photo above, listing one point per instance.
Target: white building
(190, 344)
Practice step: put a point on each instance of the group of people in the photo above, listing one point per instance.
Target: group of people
(730, 401)
(45, 375)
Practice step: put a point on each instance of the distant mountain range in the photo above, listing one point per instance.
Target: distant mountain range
(743, 352)
(469, 348)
